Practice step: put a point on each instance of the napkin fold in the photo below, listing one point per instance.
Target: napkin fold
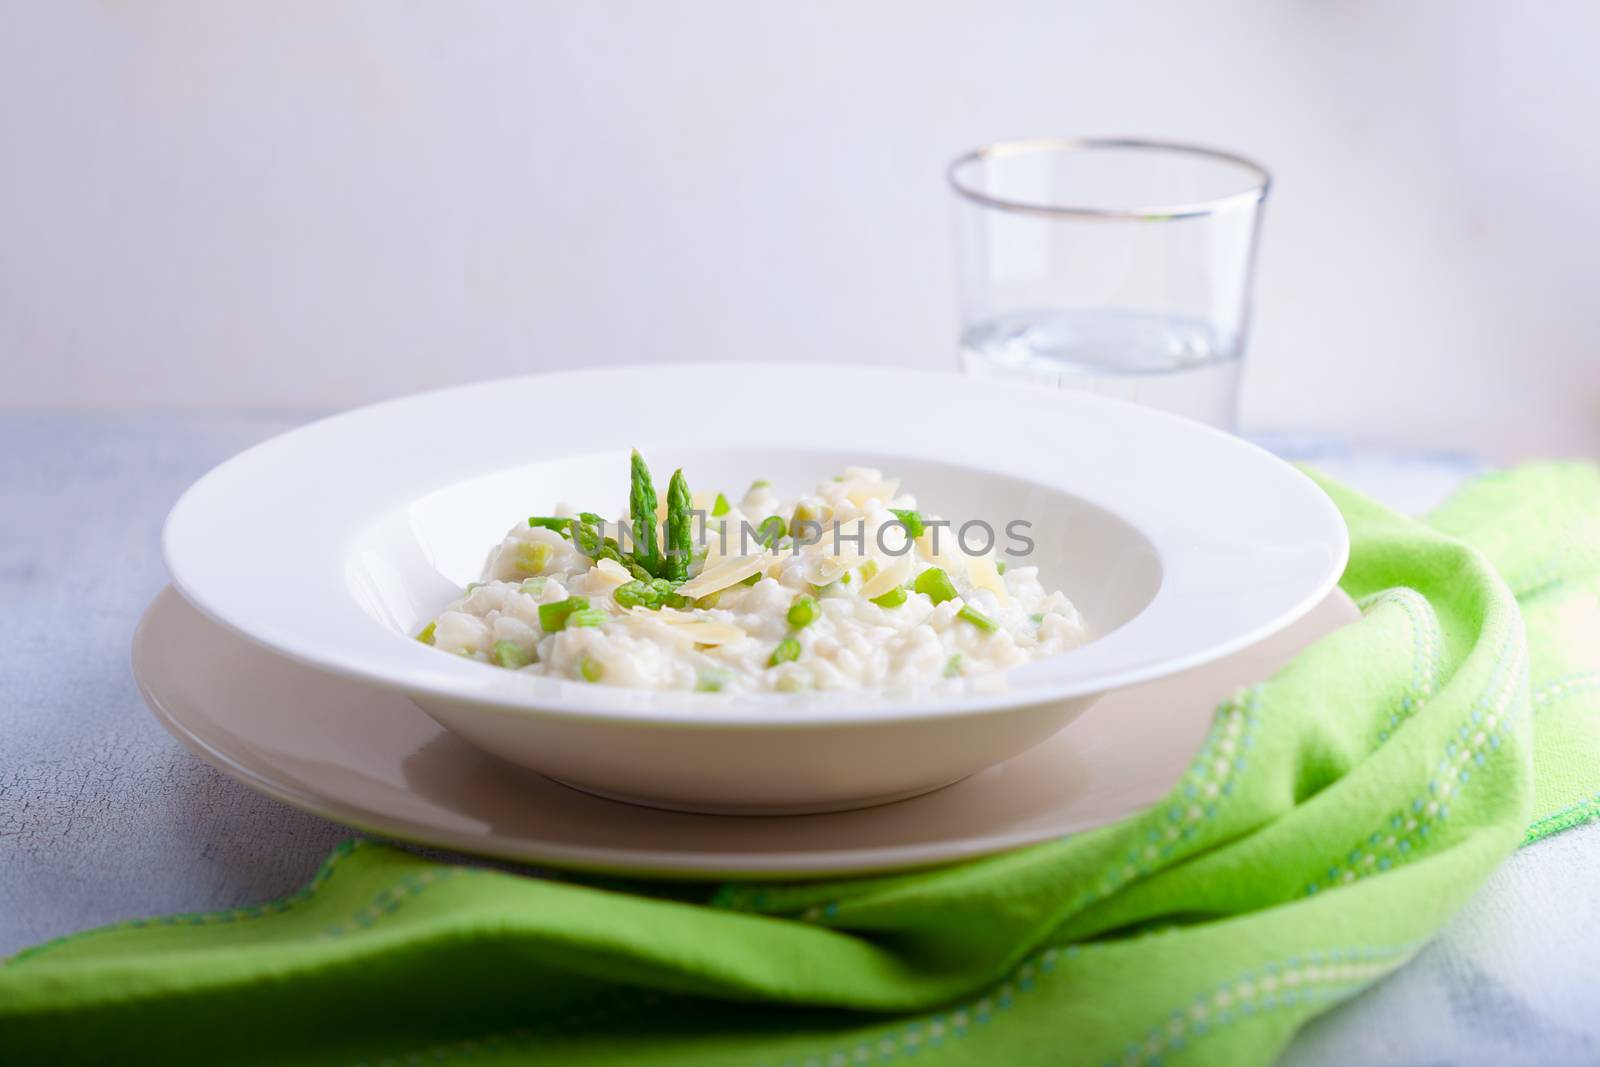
(1336, 816)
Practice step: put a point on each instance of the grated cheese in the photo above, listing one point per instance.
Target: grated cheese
(888, 577)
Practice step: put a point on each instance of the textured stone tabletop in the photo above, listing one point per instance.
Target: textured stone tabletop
(104, 816)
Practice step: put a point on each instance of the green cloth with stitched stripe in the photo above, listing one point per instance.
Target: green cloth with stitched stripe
(1336, 817)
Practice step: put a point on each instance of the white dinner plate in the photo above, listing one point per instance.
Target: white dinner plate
(366, 757)
(333, 543)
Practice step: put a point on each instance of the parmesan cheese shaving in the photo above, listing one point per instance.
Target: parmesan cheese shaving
(711, 633)
(844, 548)
(670, 616)
(859, 492)
(825, 570)
(983, 574)
(714, 545)
(887, 578)
(611, 571)
(941, 557)
(890, 536)
(726, 572)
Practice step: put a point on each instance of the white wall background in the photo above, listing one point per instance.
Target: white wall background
(316, 204)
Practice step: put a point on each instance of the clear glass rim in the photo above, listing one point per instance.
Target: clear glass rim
(1252, 195)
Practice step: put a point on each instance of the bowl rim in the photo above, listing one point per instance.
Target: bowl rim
(205, 579)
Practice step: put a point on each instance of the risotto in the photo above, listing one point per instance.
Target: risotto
(850, 586)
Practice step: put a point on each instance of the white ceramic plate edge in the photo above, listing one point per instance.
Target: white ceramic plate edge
(675, 865)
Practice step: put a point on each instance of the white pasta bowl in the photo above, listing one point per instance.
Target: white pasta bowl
(336, 542)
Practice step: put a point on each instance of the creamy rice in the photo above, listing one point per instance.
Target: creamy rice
(861, 620)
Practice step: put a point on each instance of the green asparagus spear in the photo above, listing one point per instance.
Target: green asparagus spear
(586, 537)
(635, 594)
(642, 509)
(680, 536)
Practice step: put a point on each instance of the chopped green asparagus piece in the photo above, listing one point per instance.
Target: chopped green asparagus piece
(588, 617)
(533, 556)
(803, 612)
(720, 507)
(759, 483)
(711, 681)
(425, 635)
(936, 585)
(1037, 616)
(642, 510)
(892, 599)
(911, 520)
(977, 618)
(553, 617)
(532, 586)
(680, 535)
(591, 669)
(550, 522)
(772, 528)
(634, 594)
(952, 666)
(788, 651)
(510, 655)
(753, 579)
(999, 566)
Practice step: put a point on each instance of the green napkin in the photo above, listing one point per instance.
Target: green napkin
(1336, 817)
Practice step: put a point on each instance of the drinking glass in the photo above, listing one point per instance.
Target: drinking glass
(1120, 267)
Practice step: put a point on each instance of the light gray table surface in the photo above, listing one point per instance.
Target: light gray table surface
(104, 816)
